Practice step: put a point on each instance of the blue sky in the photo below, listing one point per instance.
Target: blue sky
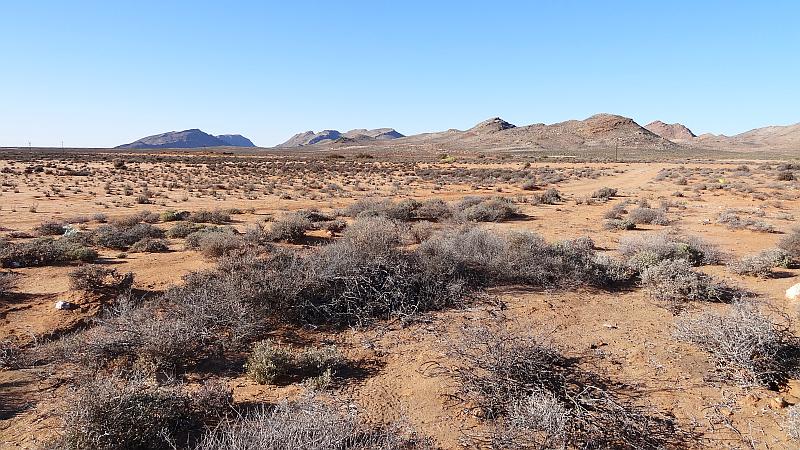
(102, 73)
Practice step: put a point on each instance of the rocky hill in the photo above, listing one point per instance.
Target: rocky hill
(331, 136)
(671, 131)
(193, 138)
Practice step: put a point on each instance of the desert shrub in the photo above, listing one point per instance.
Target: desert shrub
(676, 282)
(791, 244)
(616, 212)
(214, 245)
(335, 226)
(217, 217)
(307, 424)
(538, 398)
(528, 185)
(761, 264)
(149, 245)
(289, 228)
(94, 278)
(786, 175)
(747, 347)
(171, 216)
(270, 362)
(735, 222)
(122, 237)
(642, 251)
(604, 193)
(644, 215)
(50, 228)
(549, 197)
(46, 251)
(792, 424)
(114, 413)
(619, 224)
(403, 210)
(477, 209)
(182, 229)
(433, 210)
(7, 282)
(373, 235)
(482, 258)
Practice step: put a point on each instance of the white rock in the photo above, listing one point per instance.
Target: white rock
(65, 306)
(793, 293)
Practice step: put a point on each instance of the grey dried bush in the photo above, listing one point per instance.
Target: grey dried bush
(182, 229)
(616, 212)
(149, 245)
(792, 423)
(214, 245)
(480, 209)
(290, 228)
(736, 222)
(7, 282)
(676, 283)
(748, 348)
(604, 193)
(549, 197)
(308, 424)
(537, 398)
(271, 362)
(50, 228)
(791, 244)
(117, 413)
(374, 234)
(482, 258)
(216, 217)
(645, 215)
(46, 251)
(404, 210)
(99, 279)
(642, 251)
(619, 224)
(193, 239)
(122, 237)
(434, 210)
(761, 264)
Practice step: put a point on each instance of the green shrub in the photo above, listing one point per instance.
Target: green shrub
(270, 362)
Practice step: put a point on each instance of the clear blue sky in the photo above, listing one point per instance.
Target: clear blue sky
(102, 73)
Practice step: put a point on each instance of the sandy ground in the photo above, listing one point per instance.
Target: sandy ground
(626, 335)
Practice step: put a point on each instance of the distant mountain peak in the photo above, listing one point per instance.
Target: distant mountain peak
(491, 125)
(235, 140)
(671, 131)
(335, 136)
(191, 138)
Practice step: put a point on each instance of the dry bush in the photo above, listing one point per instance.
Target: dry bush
(217, 217)
(215, 245)
(761, 264)
(307, 424)
(791, 244)
(537, 398)
(792, 423)
(479, 209)
(50, 228)
(182, 229)
(270, 362)
(482, 258)
(290, 228)
(7, 282)
(616, 212)
(619, 224)
(736, 222)
(115, 413)
(549, 197)
(122, 237)
(676, 283)
(46, 251)
(149, 245)
(99, 279)
(604, 193)
(645, 215)
(748, 348)
(642, 251)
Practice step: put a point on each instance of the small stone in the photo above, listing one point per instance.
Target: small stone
(610, 326)
(793, 293)
(778, 403)
(65, 306)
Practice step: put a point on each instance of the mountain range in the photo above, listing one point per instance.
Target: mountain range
(331, 136)
(193, 138)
